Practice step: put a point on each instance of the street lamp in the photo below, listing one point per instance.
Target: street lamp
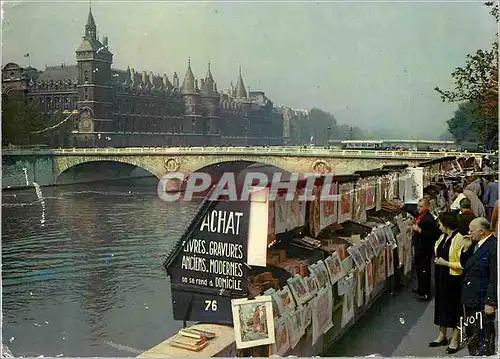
(350, 133)
(329, 134)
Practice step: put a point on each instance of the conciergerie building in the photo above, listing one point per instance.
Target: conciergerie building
(107, 107)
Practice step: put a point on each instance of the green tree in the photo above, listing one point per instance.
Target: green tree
(19, 120)
(322, 126)
(462, 123)
(477, 84)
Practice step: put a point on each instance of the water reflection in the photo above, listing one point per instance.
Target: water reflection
(92, 275)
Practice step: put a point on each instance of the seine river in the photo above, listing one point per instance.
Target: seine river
(82, 275)
(82, 272)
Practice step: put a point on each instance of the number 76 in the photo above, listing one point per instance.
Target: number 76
(211, 305)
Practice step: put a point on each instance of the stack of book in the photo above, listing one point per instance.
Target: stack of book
(191, 339)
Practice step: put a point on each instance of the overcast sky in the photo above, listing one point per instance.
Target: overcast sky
(373, 65)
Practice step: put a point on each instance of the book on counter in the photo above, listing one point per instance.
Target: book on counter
(196, 333)
(189, 343)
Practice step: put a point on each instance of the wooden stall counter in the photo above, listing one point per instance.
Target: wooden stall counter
(222, 345)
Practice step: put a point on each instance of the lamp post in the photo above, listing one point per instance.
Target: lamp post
(329, 134)
(350, 133)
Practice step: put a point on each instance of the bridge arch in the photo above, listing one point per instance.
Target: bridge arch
(65, 164)
(226, 161)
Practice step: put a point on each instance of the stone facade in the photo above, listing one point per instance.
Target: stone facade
(124, 108)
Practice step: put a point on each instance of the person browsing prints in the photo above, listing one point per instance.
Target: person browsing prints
(476, 205)
(465, 216)
(425, 235)
(479, 288)
(448, 280)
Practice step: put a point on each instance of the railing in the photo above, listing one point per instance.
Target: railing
(251, 150)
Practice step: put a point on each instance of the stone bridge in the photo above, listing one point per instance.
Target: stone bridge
(159, 161)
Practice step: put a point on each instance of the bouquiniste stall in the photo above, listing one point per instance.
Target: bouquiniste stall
(292, 276)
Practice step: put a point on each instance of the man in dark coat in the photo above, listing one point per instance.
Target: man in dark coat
(425, 234)
(479, 289)
(465, 217)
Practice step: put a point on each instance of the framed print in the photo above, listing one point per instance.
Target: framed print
(356, 257)
(370, 193)
(299, 290)
(334, 267)
(253, 321)
(320, 273)
(347, 264)
(389, 234)
(282, 334)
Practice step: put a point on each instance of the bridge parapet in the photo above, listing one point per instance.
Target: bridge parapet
(271, 151)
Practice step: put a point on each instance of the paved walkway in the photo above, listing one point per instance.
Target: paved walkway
(396, 325)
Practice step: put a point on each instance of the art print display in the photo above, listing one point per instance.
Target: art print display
(407, 257)
(370, 193)
(360, 286)
(320, 273)
(390, 261)
(298, 288)
(281, 214)
(307, 315)
(380, 235)
(402, 187)
(356, 257)
(379, 194)
(334, 267)
(253, 321)
(315, 211)
(368, 279)
(285, 300)
(373, 241)
(322, 308)
(329, 209)
(400, 238)
(312, 284)
(414, 189)
(347, 308)
(296, 327)
(282, 330)
(346, 284)
(297, 216)
(369, 249)
(381, 267)
(389, 235)
(346, 191)
(363, 250)
(360, 201)
(271, 230)
(274, 299)
(347, 264)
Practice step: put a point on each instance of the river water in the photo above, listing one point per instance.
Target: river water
(82, 272)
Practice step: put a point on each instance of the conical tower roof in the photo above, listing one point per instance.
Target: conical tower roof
(241, 92)
(188, 85)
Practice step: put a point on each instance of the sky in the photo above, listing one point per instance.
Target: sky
(371, 64)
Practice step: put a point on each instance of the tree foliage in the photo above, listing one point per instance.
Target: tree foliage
(477, 85)
(19, 119)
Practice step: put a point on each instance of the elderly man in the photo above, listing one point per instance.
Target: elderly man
(479, 288)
